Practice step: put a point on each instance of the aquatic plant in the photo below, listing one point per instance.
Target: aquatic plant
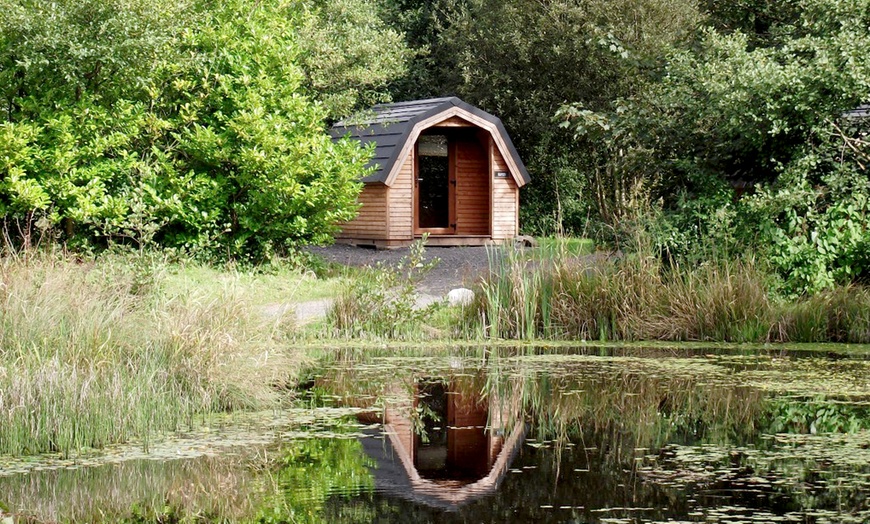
(841, 314)
(643, 297)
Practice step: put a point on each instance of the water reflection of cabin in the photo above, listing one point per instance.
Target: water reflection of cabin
(441, 167)
(458, 457)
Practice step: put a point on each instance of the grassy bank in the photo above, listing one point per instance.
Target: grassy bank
(561, 290)
(113, 349)
(641, 297)
(97, 352)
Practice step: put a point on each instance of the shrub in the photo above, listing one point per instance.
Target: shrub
(382, 301)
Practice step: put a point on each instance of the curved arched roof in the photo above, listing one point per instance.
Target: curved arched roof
(393, 128)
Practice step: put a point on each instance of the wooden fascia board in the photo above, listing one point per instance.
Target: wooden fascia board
(433, 120)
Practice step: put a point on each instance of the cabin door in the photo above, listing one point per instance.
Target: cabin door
(435, 185)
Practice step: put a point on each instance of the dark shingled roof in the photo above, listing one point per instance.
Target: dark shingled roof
(862, 111)
(389, 126)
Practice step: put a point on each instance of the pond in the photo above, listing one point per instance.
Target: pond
(609, 435)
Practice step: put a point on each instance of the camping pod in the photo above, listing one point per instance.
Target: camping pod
(441, 168)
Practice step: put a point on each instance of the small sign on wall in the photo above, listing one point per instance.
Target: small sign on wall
(501, 174)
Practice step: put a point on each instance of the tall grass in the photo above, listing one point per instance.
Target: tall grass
(841, 314)
(93, 354)
(642, 297)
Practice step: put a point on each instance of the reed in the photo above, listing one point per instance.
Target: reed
(717, 301)
(841, 314)
(641, 297)
(90, 357)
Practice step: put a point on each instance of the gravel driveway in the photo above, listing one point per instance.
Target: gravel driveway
(457, 266)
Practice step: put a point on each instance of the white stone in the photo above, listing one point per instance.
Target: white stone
(460, 297)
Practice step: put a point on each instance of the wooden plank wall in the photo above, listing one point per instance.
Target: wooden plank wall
(387, 212)
(454, 121)
(401, 198)
(472, 189)
(505, 201)
(371, 222)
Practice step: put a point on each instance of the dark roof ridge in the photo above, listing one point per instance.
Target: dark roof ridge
(389, 127)
(859, 112)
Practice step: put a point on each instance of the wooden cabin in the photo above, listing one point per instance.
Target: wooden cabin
(441, 167)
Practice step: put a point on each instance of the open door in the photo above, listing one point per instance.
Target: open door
(435, 185)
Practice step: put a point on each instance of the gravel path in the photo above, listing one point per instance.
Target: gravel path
(458, 266)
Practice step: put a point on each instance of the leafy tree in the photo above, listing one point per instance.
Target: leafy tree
(266, 172)
(66, 49)
(73, 77)
(193, 124)
(763, 112)
(349, 55)
(523, 60)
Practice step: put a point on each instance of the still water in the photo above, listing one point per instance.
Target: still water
(499, 435)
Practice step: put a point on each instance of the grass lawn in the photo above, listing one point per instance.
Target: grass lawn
(256, 288)
(550, 247)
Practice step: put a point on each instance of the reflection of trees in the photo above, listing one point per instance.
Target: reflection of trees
(595, 420)
(637, 408)
(310, 472)
(524, 497)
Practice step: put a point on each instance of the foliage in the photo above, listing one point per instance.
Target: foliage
(815, 217)
(486, 52)
(382, 302)
(757, 112)
(192, 124)
(349, 55)
(56, 52)
(255, 143)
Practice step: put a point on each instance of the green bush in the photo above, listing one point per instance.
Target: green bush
(196, 125)
(381, 302)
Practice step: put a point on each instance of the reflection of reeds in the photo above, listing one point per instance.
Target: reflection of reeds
(636, 406)
(88, 357)
(627, 403)
(640, 297)
(216, 489)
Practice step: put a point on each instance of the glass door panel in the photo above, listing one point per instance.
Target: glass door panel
(433, 182)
